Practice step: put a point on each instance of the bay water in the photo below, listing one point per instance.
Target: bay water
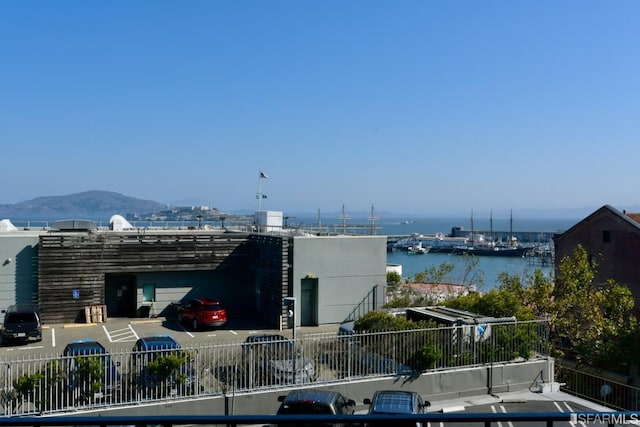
(485, 273)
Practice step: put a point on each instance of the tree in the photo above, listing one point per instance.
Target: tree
(594, 319)
(393, 280)
(378, 321)
(471, 274)
(508, 299)
(435, 275)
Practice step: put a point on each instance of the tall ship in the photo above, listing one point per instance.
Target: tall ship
(480, 245)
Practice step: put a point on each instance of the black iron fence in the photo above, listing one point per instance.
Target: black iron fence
(606, 388)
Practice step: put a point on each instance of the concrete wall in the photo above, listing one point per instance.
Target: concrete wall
(231, 288)
(432, 386)
(18, 268)
(347, 269)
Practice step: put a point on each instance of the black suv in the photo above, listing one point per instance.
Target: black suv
(315, 402)
(395, 402)
(21, 323)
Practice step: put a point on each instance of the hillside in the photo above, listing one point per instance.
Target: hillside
(87, 205)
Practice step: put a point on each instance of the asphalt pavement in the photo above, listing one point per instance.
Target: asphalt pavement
(121, 333)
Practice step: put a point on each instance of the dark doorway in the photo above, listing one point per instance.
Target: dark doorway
(120, 295)
(309, 302)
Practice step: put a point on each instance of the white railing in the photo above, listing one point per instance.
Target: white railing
(34, 384)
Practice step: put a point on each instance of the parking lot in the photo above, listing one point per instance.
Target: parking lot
(520, 402)
(121, 333)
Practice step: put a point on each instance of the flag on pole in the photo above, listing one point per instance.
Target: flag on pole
(263, 175)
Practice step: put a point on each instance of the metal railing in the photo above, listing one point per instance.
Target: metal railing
(47, 384)
(368, 303)
(486, 419)
(601, 389)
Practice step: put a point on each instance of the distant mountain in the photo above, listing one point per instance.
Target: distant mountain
(87, 205)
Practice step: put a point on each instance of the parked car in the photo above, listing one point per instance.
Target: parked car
(394, 402)
(346, 329)
(160, 367)
(92, 373)
(316, 402)
(269, 359)
(202, 312)
(21, 323)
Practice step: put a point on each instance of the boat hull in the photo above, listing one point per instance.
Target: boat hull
(501, 252)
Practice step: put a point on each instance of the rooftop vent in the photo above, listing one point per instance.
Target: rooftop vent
(74, 225)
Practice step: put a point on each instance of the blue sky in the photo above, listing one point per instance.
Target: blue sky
(422, 107)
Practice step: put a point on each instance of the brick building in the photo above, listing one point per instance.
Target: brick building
(612, 240)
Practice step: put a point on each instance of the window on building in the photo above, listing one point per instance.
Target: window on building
(606, 236)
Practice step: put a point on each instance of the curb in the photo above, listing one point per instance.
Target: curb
(77, 325)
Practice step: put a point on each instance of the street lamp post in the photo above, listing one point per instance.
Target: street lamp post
(291, 303)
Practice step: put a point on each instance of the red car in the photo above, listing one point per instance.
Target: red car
(202, 312)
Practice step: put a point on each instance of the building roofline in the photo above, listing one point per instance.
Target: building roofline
(609, 208)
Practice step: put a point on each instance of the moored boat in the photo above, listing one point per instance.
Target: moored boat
(498, 250)
(417, 249)
(480, 246)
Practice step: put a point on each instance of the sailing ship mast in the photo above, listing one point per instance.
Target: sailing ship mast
(511, 228)
(491, 227)
(473, 234)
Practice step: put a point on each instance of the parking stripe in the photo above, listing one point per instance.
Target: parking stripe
(185, 330)
(133, 331)
(53, 337)
(504, 411)
(493, 409)
(570, 409)
(121, 335)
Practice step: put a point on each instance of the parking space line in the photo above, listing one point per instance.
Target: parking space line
(121, 335)
(504, 411)
(493, 409)
(134, 332)
(185, 330)
(53, 337)
(125, 334)
(233, 332)
(558, 406)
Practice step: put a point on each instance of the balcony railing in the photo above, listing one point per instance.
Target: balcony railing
(47, 384)
(487, 419)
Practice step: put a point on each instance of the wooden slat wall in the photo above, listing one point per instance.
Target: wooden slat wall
(67, 262)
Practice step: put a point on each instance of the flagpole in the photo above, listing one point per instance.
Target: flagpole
(259, 190)
(260, 196)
